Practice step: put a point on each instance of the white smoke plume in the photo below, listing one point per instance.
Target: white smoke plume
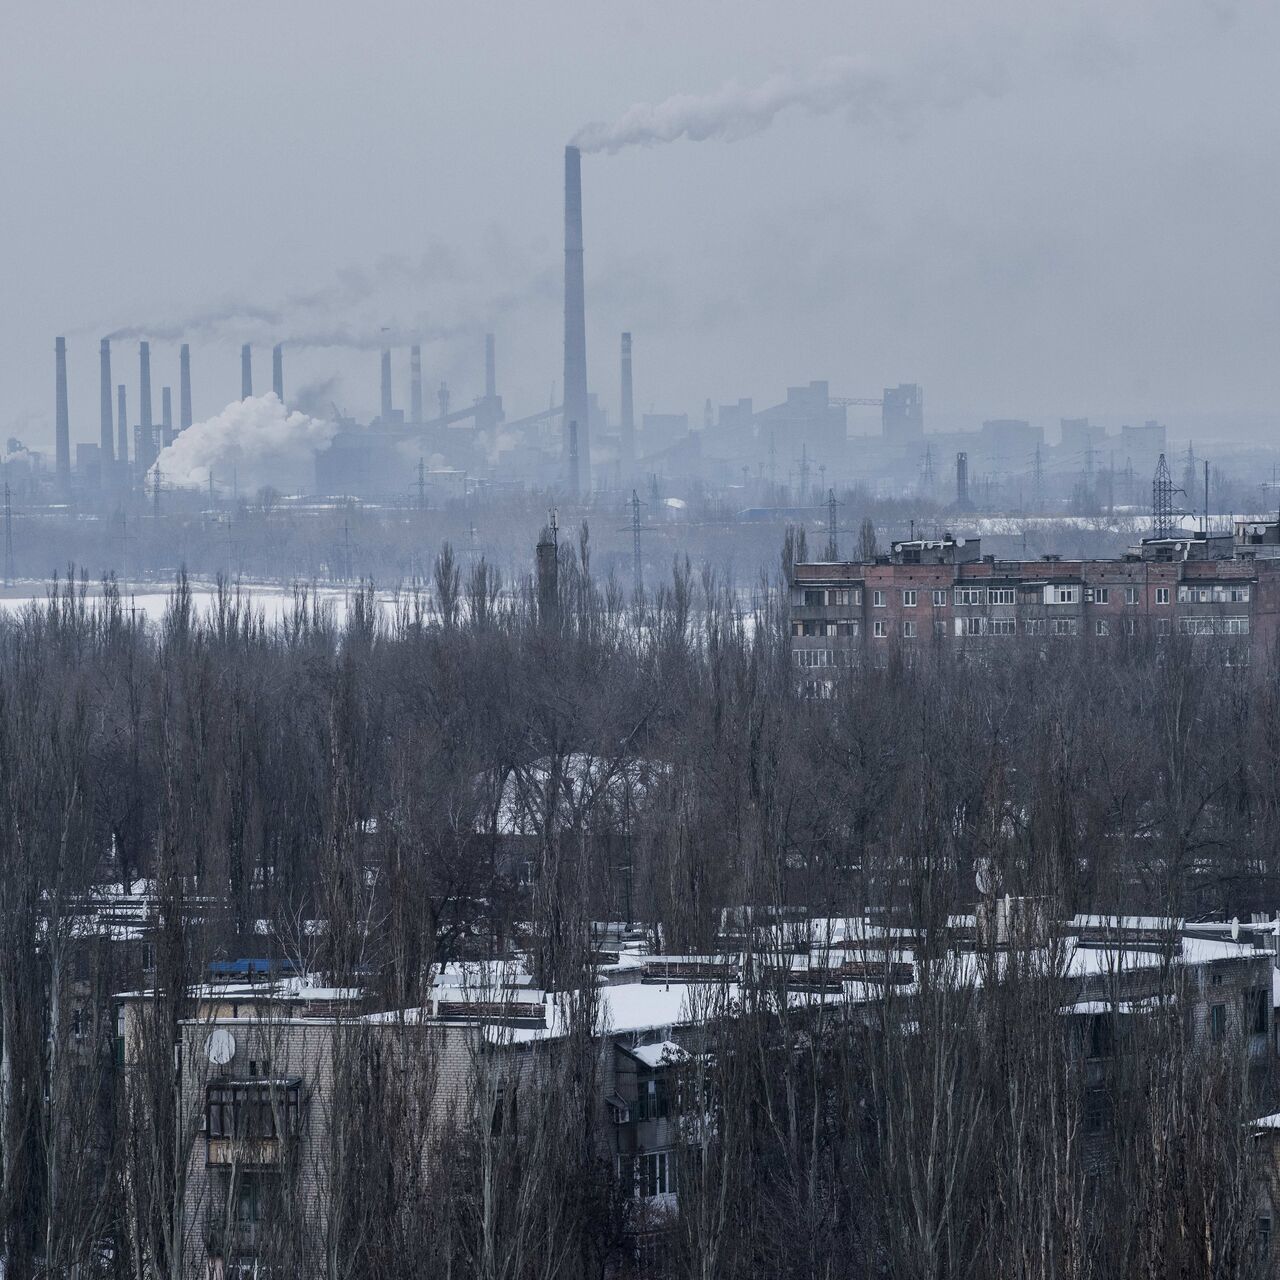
(257, 440)
(735, 111)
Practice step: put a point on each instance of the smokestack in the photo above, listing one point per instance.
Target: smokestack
(277, 371)
(962, 480)
(575, 327)
(184, 387)
(490, 368)
(386, 385)
(106, 440)
(415, 383)
(246, 371)
(144, 390)
(628, 433)
(548, 578)
(122, 432)
(575, 478)
(63, 417)
(166, 416)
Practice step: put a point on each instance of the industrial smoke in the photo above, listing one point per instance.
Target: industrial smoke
(736, 111)
(255, 441)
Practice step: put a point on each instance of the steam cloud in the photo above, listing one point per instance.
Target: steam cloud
(258, 439)
(836, 84)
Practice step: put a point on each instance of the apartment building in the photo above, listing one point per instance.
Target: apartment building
(1214, 588)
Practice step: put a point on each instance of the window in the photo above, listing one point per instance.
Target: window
(653, 1100)
(939, 598)
(1162, 626)
(77, 1024)
(970, 595)
(1000, 595)
(1263, 1237)
(939, 628)
(652, 1173)
(1238, 595)
(1162, 595)
(838, 597)
(878, 629)
(908, 630)
(1102, 595)
(1131, 626)
(1062, 595)
(877, 599)
(1064, 626)
(814, 599)
(1131, 595)
(1034, 626)
(1002, 627)
(1257, 1011)
(1217, 1023)
(1101, 627)
(971, 626)
(909, 599)
(243, 1110)
(852, 627)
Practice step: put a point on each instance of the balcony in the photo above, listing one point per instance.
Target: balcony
(249, 1123)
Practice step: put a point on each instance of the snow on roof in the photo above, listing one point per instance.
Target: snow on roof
(663, 1054)
(1267, 1122)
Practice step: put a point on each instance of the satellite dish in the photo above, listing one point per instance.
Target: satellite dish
(959, 542)
(1235, 928)
(984, 877)
(220, 1047)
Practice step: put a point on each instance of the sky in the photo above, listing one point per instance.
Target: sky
(1034, 210)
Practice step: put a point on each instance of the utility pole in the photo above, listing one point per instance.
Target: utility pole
(8, 537)
(637, 563)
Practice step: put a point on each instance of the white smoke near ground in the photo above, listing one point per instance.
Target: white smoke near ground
(865, 92)
(258, 441)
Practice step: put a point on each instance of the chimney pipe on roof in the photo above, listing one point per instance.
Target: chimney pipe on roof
(246, 371)
(277, 371)
(628, 431)
(386, 386)
(184, 387)
(106, 438)
(576, 408)
(415, 383)
(63, 426)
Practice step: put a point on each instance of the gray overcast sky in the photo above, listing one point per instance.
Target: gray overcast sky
(1061, 209)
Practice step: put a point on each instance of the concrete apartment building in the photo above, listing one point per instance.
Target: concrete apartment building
(1216, 588)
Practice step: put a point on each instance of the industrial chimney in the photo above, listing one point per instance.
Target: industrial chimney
(63, 417)
(106, 440)
(490, 368)
(415, 383)
(145, 448)
(386, 386)
(122, 433)
(166, 417)
(184, 387)
(575, 328)
(575, 475)
(246, 371)
(277, 371)
(962, 480)
(628, 432)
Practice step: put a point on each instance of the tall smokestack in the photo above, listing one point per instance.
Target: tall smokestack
(106, 440)
(277, 371)
(122, 432)
(144, 449)
(184, 387)
(575, 473)
(628, 432)
(415, 383)
(246, 371)
(386, 385)
(166, 417)
(490, 368)
(575, 324)
(63, 417)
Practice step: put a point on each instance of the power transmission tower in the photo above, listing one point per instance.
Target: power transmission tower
(1038, 478)
(927, 479)
(422, 485)
(155, 493)
(804, 473)
(833, 541)
(1162, 492)
(637, 563)
(8, 537)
